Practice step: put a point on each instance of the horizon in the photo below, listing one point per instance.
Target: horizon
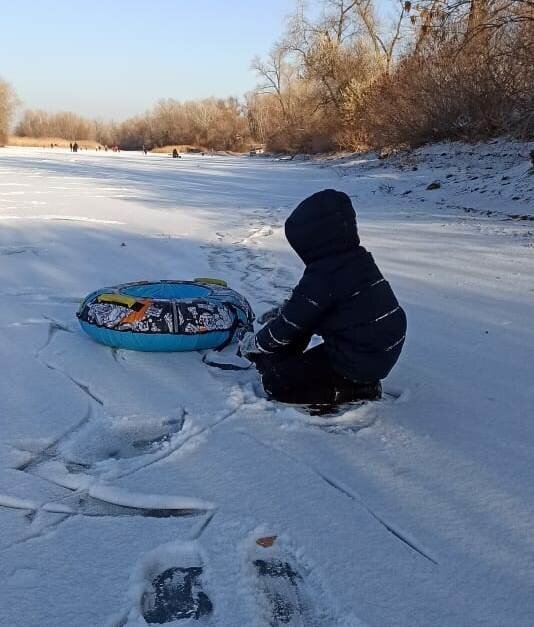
(175, 51)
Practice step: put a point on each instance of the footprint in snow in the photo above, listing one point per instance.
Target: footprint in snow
(118, 438)
(287, 594)
(76, 459)
(175, 592)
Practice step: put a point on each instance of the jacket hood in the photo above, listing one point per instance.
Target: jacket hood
(322, 225)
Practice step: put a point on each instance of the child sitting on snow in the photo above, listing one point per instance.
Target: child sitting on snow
(341, 297)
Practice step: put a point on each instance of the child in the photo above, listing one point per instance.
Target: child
(341, 297)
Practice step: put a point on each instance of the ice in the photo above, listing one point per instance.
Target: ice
(14, 503)
(118, 467)
(114, 495)
(60, 217)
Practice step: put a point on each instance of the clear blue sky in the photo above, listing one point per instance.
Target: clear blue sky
(115, 58)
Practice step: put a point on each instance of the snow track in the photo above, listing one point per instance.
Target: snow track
(152, 489)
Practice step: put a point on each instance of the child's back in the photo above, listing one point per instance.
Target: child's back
(342, 296)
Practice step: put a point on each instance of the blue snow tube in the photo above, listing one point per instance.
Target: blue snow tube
(166, 315)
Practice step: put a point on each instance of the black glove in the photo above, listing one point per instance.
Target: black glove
(248, 347)
(271, 314)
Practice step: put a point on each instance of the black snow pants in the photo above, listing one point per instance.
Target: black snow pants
(308, 378)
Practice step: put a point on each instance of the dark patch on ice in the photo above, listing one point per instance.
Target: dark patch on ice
(176, 594)
(18, 250)
(489, 213)
(521, 217)
(85, 505)
(79, 503)
(76, 467)
(30, 515)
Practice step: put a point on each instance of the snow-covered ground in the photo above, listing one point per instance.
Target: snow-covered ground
(417, 510)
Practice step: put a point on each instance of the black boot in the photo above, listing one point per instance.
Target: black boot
(351, 391)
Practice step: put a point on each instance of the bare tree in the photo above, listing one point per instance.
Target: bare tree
(8, 102)
(276, 75)
(469, 19)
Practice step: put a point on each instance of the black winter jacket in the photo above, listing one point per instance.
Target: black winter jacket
(342, 295)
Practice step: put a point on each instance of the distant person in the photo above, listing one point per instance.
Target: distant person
(70, 146)
(51, 145)
(145, 149)
(75, 147)
(175, 154)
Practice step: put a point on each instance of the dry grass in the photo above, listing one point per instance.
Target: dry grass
(45, 142)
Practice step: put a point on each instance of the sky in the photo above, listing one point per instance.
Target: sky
(111, 59)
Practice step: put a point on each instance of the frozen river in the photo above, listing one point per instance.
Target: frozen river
(416, 510)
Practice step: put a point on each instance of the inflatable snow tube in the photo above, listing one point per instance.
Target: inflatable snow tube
(166, 315)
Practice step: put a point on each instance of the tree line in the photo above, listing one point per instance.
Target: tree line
(350, 77)
(213, 123)
(426, 71)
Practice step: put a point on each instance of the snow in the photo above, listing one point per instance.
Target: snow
(416, 510)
